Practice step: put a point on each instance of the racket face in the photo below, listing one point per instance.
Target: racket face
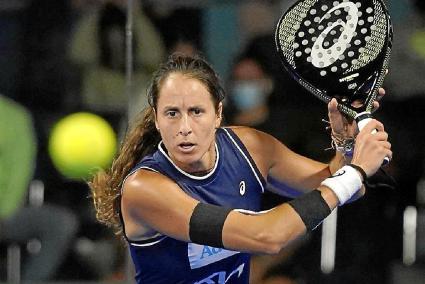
(337, 48)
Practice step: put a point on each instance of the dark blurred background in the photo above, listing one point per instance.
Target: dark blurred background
(59, 57)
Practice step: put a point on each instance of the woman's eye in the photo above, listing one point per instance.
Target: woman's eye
(197, 111)
(171, 113)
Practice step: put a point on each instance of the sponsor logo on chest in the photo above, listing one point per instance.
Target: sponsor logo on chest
(201, 255)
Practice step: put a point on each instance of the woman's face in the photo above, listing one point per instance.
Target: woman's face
(187, 120)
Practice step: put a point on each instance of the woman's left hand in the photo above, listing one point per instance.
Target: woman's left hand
(343, 128)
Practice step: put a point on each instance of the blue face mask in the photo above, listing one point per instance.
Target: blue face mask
(247, 95)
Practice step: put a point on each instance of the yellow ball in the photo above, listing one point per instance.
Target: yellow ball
(81, 143)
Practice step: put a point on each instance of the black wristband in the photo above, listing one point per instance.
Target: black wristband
(206, 224)
(360, 170)
(312, 208)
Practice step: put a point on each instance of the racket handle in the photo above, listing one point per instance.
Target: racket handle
(362, 119)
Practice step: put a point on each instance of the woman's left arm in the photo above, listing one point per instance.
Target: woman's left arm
(276, 161)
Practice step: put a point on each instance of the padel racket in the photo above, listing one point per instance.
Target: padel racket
(337, 49)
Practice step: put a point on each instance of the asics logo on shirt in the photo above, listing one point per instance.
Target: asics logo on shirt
(242, 188)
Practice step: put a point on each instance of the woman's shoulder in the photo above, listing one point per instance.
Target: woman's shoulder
(260, 145)
(143, 178)
(145, 186)
(251, 136)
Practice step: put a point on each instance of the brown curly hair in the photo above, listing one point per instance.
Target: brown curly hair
(143, 137)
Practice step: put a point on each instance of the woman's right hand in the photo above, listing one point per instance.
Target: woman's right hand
(371, 148)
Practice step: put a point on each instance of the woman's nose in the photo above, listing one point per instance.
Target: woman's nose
(185, 128)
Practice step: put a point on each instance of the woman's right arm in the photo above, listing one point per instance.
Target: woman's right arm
(151, 199)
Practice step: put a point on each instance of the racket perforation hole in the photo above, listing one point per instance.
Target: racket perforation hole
(369, 10)
(313, 11)
(334, 69)
(323, 73)
(324, 7)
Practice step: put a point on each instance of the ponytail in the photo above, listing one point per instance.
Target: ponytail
(105, 186)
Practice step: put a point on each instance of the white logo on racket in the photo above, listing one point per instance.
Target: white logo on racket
(242, 187)
(323, 57)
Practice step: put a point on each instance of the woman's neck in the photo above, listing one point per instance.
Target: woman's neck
(199, 168)
(206, 166)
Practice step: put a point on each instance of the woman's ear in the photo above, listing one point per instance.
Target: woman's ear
(155, 119)
(219, 115)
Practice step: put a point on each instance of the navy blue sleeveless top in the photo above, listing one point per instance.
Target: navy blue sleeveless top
(235, 182)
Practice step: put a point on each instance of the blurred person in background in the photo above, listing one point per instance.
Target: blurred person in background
(98, 46)
(55, 227)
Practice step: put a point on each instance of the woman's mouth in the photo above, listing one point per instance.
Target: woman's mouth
(186, 146)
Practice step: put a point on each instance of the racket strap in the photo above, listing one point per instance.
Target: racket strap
(344, 146)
